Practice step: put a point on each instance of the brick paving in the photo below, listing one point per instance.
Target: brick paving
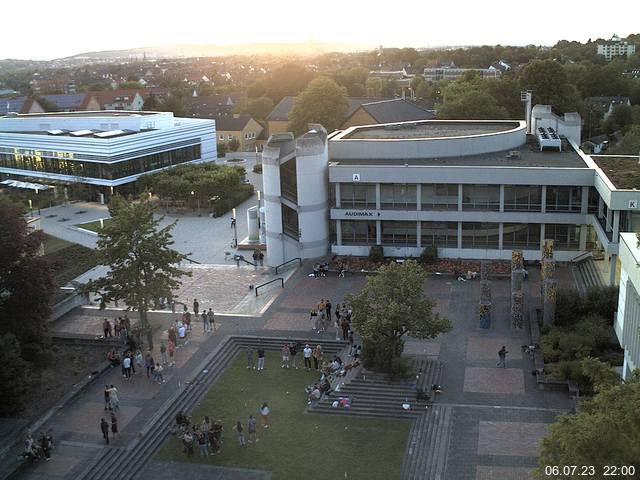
(510, 438)
(503, 473)
(494, 380)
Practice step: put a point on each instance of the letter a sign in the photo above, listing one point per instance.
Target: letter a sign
(356, 177)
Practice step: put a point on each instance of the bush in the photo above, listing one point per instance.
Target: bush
(257, 168)
(381, 355)
(15, 376)
(222, 149)
(589, 337)
(569, 307)
(376, 253)
(429, 255)
(602, 301)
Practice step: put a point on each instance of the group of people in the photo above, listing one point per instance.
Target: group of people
(320, 269)
(119, 328)
(131, 360)
(112, 405)
(207, 435)
(38, 449)
(258, 257)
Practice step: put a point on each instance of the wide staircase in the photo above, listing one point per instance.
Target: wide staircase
(428, 445)
(372, 395)
(587, 274)
(126, 463)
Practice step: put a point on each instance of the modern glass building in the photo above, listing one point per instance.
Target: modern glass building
(105, 148)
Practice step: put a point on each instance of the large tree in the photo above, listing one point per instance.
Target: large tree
(143, 266)
(15, 376)
(26, 284)
(606, 431)
(391, 305)
(324, 102)
(472, 105)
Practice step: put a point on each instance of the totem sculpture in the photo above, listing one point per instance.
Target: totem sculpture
(548, 284)
(517, 296)
(484, 308)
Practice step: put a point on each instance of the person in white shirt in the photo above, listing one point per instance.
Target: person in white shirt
(307, 356)
(182, 334)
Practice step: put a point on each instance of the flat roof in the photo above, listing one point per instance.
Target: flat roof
(622, 170)
(428, 129)
(529, 156)
(97, 113)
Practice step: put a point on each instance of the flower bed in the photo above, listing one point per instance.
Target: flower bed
(444, 265)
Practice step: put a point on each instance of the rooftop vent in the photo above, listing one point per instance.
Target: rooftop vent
(109, 134)
(81, 133)
(548, 137)
(55, 132)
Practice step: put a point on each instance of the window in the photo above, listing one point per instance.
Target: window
(439, 234)
(521, 235)
(358, 195)
(290, 222)
(289, 181)
(522, 198)
(565, 237)
(229, 137)
(222, 136)
(439, 196)
(398, 196)
(246, 136)
(480, 235)
(564, 199)
(594, 200)
(358, 233)
(481, 197)
(399, 234)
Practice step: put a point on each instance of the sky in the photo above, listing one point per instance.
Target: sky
(43, 30)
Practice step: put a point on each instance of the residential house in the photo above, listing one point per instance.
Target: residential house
(73, 102)
(616, 47)
(606, 104)
(453, 73)
(387, 111)
(240, 127)
(596, 144)
(19, 105)
(119, 99)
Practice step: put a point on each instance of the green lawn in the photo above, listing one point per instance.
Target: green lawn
(69, 260)
(93, 226)
(296, 445)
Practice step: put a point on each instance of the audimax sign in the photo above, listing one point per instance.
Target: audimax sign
(361, 213)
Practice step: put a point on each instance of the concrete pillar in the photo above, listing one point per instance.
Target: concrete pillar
(616, 225)
(549, 301)
(600, 207)
(418, 234)
(378, 232)
(543, 199)
(500, 235)
(542, 235)
(584, 206)
(272, 200)
(378, 197)
(338, 204)
(501, 207)
(419, 197)
(612, 269)
(517, 309)
(459, 234)
(252, 223)
(548, 268)
(485, 288)
(460, 187)
(339, 232)
(484, 308)
(583, 238)
(609, 224)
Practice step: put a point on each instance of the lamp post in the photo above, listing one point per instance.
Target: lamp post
(30, 208)
(235, 228)
(258, 210)
(198, 200)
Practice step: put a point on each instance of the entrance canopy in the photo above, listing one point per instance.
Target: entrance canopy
(27, 185)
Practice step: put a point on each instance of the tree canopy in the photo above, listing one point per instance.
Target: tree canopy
(143, 266)
(289, 79)
(324, 102)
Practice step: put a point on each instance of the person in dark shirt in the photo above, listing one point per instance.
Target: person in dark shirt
(260, 358)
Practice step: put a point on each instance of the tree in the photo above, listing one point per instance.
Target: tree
(47, 105)
(324, 102)
(606, 431)
(142, 266)
(630, 142)
(14, 376)
(548, 81)
(472, 105)
(173, 104)
(222, 149)
(26, 284)
(150, 104)
(391, 305)
(259, 108)
(234, 144)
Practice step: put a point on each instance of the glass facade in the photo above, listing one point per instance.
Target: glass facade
(289, 181)
(439, 196)
(359, 196)
(564, 199)
(396, 196)
(521, 235)
(108, 171)
(481, 197)
(565, 237)
(290, 222)
(522, 198)
(399, 234)
(358, 233)
(439, 234)
(480, 235)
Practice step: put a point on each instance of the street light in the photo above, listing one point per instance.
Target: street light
(198, 200)
(235, 228)
(258, 210)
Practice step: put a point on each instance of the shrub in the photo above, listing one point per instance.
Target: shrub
(589, 337)
(569, 307)
(376, 253)
(257, 168)
(222, 149)
(429, 255)
(602, 301)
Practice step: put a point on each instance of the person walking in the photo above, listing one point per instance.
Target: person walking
(286, 352)
(126, 366)
(114, 401)
(45, 446)
(313, 317)
(327, 307)
(157, 374)
(163, 353)
(502, 357)
(182, 334)
(104, 427)
(212, 321)
(264, 415)
(149, 364)
(196, 307)
(317, 357)
(205, 322)
(106, 328)
(114, 424)
(293, 351)
(345, 329)
(306, 353)
(260, 358)
(240, 432)
(107, 401)
(171, 348)
(252, 428)
(250, 361)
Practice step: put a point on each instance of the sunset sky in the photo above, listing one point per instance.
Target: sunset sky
(46, 30)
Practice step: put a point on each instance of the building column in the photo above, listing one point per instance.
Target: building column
(418, 197)
(378, 232)
(600, 207)
(542, 235)
(500, 234)
(584, 206)
(583, 238)
(459, 234)
(378, 200)
(459, 197)
(418, 234)
(339, 233)
(543, 199)
(501, 209)
(609, 223)
(612, 269)
(338, 196)
(616, 225)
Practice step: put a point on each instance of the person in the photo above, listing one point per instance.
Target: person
(45, 445)
(107, 402)
(216, 431)
(252, 428)
(306, 353)
(250, 362)
(260, 358)
(187, 442)
(196, 307)
(114, 401)
(104, 427)
(327, 307)
(261, 258)
(149, 364)
(264, 415)
(163, 353)
(293, 351)
(126, 366)
(182, 334)
(285, 356)
(316, 270)
(345, 328)
(171, 347)
(240, 431)
(212, 323)
(106, 328)
(502, 357)
(202, 443)
(314, 395)
(435, 388)
(233, 222)
(205, 322)
(173, 334)
(157, 374)
(139, 361)
(341, 270)
(317, 357)
(114, 424)
(313, 316)
(30, 447)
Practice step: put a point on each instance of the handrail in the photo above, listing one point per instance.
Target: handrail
(270, 281)
(238, 258)
(289, 261)
(192, 261)
(583, 254)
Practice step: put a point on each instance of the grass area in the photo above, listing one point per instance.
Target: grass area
(296, 445)
(68, 260)
(94, 226)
